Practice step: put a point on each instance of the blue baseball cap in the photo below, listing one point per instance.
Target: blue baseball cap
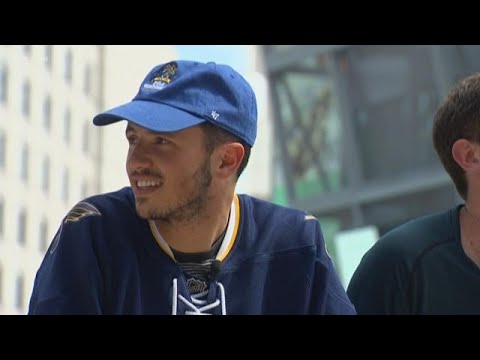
(180, 94)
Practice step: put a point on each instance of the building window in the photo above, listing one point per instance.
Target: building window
(48, 56)
(4, 85)
(2, 216)
(85, 138)
(3, 150)
(67, 125)
(22, 228)
(24, 163)
(27, 50)
(43, 235)
(66, 185)
(19, 292)
(47, 113)
(46, 174)
(1, 285)
(68, 65)
(26, 99)
(84, 190)
(87, 80)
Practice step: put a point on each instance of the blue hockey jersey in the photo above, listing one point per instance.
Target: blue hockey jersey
(104, 259)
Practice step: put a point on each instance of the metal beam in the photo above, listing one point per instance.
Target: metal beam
(279, 60)
(415, 182)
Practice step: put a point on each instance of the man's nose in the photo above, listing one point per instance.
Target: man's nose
(138, 156)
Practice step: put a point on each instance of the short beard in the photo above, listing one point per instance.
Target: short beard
(193, 205)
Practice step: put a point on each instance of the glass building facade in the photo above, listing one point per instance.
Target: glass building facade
(353, 130)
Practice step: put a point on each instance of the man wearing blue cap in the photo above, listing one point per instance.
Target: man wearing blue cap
(179, 240)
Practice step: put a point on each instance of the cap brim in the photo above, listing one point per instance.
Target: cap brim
(150, 115)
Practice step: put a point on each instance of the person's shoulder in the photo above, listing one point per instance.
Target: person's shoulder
(263, 209)
(420, 233)
(124, 194)
(111, 202)
(266, 226)
(282, 222)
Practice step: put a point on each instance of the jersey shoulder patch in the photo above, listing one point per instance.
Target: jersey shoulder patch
(81, 210)
(311, 217)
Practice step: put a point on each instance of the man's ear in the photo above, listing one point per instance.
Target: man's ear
(466, 154)
(230, 157)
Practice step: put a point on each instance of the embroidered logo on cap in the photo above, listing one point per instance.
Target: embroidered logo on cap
(162, 79)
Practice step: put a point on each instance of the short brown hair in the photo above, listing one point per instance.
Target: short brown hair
(215, 136)
(458, 117)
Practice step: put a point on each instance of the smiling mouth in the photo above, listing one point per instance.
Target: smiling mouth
(145, 184)
(146, 187)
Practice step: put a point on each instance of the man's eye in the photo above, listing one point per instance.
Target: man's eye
(161, 140)
(132, 140)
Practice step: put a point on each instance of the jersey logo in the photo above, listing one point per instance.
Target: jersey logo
(309, 217)
(196, 286)
(56, 240)
(78, 212)
(81, 210)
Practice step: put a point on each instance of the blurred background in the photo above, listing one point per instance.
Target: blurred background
(344, 132)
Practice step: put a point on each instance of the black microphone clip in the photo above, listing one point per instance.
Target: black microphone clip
(215, 268)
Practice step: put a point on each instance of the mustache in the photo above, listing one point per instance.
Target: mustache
(147, 172)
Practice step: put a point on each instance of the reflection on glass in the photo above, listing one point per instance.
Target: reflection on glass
(309, 116)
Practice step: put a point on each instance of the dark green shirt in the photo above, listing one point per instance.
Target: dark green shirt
(418, 268)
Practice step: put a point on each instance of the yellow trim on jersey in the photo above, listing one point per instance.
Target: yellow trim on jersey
(227, 242)
(159, 238)
(230, 236)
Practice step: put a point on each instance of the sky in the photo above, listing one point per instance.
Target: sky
(233, 55)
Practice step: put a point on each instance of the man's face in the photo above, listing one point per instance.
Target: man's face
(168, 172)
